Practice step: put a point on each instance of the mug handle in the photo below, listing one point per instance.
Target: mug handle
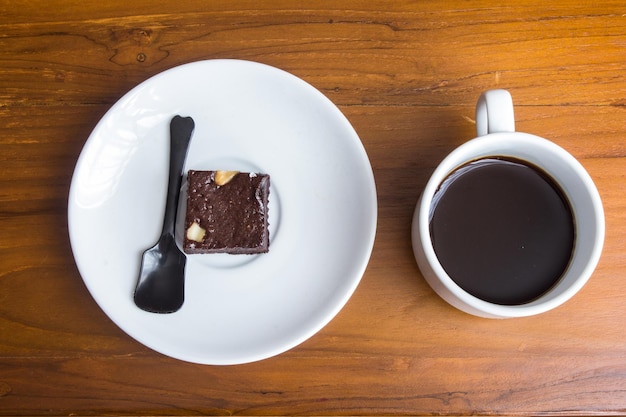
(494, 112)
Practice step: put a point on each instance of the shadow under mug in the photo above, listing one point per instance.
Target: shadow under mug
(495, 126)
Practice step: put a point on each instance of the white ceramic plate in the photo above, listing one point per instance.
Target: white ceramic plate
(323, 211)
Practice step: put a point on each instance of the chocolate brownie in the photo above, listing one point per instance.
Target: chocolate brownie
(227, 212)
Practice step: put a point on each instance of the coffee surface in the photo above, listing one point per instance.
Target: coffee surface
(502, 230)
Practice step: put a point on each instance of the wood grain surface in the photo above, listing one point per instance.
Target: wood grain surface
(407, 75)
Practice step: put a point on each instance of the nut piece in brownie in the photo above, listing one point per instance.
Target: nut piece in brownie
(226, 212)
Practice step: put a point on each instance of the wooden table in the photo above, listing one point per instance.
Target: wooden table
(407, 76)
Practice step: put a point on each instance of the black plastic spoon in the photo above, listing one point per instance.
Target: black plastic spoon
(161, 285)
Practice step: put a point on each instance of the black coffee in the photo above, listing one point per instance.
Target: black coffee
(502, 230)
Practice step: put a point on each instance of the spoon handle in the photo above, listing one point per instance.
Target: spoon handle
(181, 129)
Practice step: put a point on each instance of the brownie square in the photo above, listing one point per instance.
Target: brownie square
(230, 217)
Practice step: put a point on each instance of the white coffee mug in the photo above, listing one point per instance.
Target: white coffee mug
(495, 126)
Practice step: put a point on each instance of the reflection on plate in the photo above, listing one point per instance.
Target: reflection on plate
(249, 117)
